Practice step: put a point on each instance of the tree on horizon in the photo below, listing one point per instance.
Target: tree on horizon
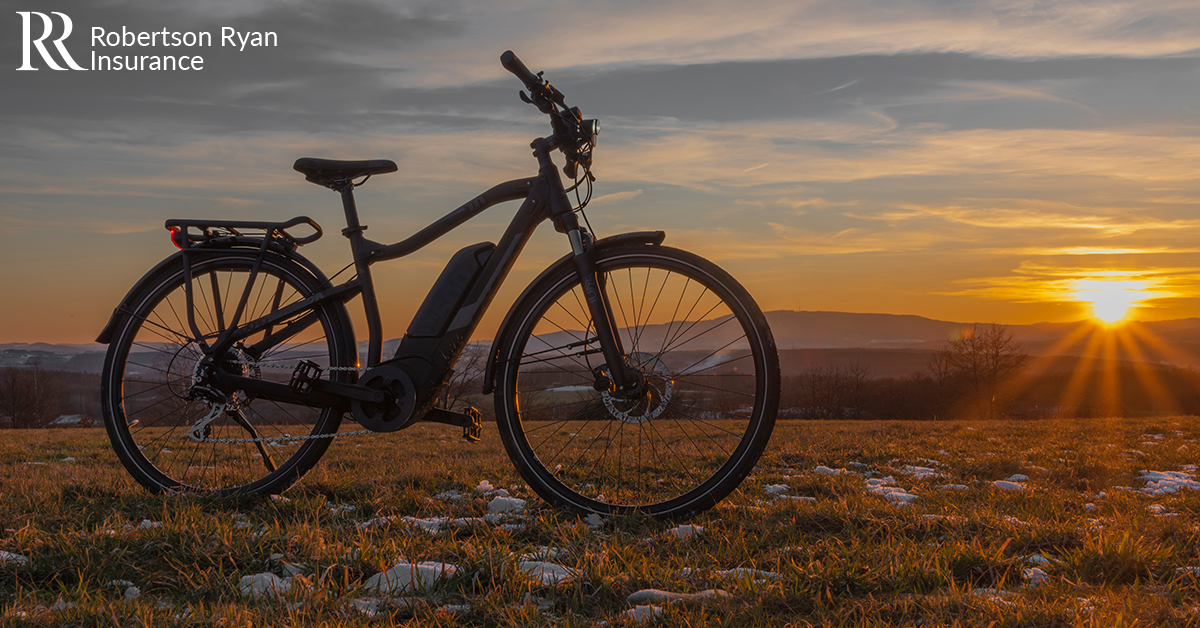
(983, 358)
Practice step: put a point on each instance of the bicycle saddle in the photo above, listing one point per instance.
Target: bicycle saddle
(328, 172)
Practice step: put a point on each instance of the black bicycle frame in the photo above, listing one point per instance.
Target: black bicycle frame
(429, 350)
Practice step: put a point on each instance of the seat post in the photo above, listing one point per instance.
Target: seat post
(346, 188)
(362, 265)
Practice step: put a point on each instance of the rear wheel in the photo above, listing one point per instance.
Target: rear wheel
(705, 414)
(171, 426)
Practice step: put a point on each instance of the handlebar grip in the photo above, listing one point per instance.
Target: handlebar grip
(514, 65)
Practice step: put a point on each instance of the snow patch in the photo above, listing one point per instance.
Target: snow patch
(406, 577)
(686, 531)
(1035, 576)
(651, 596)
(264, 584)
(824, 470)
(506, 505)
(547, 573)
(9, 557)
(757, 575)
(921, 473)
(642, 613)
(1160, 483)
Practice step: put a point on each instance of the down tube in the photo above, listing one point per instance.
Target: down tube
(438, 354)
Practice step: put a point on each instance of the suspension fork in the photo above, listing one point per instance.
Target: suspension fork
(625, 378)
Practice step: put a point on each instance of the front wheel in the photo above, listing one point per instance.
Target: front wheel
(703, 417)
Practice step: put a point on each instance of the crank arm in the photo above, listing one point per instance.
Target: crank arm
(469, 421)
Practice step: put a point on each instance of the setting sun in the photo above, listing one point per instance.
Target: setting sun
(1110, 300)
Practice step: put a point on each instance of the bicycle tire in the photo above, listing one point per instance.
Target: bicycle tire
(704, 420)
(150, 367)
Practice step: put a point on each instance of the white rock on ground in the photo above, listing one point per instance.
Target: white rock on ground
(1018, 477)
(506, 504)
(651, 596)
(824, 470)
(547, 573)
(775, 489)
(407, 577)
(1005, 485)
(264, 584)
(593, 521)
(132, 594)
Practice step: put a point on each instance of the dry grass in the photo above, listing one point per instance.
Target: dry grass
(846, 558)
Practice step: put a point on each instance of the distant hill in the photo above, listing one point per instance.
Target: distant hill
(1172, 342)
(892, 344)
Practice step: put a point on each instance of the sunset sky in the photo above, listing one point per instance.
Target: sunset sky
(994, 161)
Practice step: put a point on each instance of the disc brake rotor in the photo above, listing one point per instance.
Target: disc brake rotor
(655, 397)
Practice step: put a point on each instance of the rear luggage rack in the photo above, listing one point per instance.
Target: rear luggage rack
(188, 232)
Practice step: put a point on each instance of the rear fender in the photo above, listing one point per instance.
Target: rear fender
(230, 243)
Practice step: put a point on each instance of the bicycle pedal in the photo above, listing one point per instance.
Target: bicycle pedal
(474, 431)
(305, 377)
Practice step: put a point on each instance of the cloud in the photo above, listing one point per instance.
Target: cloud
(616, 197)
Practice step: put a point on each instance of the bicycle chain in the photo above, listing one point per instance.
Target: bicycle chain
(276, 439)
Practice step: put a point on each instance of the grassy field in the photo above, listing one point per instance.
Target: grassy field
(842, 524)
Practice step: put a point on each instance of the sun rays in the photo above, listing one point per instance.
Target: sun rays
(1110, 300)
(1109, 364)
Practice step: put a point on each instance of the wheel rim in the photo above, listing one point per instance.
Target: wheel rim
(697, 349)
(157, 371)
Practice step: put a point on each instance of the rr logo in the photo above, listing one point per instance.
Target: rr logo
(47, 29)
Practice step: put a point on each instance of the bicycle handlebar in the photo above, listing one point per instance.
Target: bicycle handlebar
(573, 135)
(513, 64)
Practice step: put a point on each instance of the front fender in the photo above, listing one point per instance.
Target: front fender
(649, 238)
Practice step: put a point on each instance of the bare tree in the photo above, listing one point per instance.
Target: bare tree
(982, 358)
(467, 378)
(28, 396)
(941, 375)
(827, 392)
